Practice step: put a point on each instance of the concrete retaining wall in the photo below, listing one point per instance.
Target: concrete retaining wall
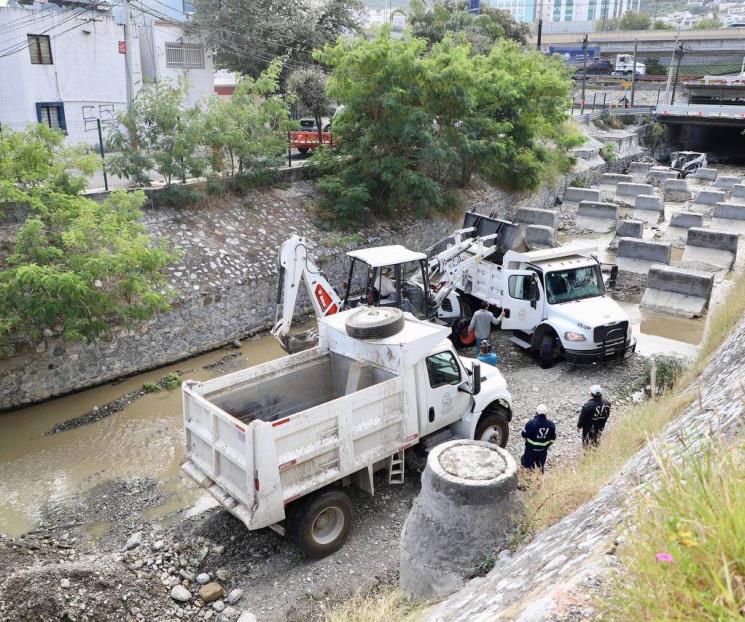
(705, 174)
(729, 210)
(709, 197)
(649, 202)
(594, 209)
(727, 182)
(656, 252)
(632, 190)
(686, 220)
(630, 229)
(532, 216)
(581, 194)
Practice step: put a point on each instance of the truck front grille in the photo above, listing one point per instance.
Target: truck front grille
(611, 336)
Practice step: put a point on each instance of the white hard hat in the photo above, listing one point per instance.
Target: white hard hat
(596, 390)
(541, 409)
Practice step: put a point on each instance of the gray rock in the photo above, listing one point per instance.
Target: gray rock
(247, 616)
(218, 606)
(230, 614)
(157, 546)
(180, 594)
(234, 596)
(134, 541)
(65, 584)
(222, 574)
(203, 578)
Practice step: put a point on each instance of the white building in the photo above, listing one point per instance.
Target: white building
(566, 15)
(62, 67)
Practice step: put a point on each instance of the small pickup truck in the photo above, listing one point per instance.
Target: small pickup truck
(276, 443)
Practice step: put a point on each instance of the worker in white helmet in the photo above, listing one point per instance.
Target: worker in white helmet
(592, 419)
(539, 434)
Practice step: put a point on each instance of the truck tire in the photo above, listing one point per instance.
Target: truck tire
(492, 429)
(546, 355)
(303, 150)
(461, 336)
(319, 523)
(375, 323)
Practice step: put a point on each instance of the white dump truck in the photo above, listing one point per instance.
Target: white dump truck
(625, 66)
(276, 443)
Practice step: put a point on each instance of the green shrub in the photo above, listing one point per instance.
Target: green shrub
(609, 152)
(171, 381)
(668, 370)
(151, 387)
(177, 195)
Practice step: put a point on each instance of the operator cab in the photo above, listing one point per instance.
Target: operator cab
(383, 274)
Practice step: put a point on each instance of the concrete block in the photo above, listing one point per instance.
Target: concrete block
(655, 252)
(727, 182)
(625, 189)
(545, 217)
(649, 202)
(661, 175)
(709, 250)
(729, 210)
(595, 209)
(581, 194)
(676, 291)
(709, 197)
(611, 179)
(639, 168)
(630, 229)
(712, 238)
(705, 174)
(675, 190)
(686, 220)
(464, 506)
(738, 190)
(540, 236)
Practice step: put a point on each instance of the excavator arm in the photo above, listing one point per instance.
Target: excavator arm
(295, 267)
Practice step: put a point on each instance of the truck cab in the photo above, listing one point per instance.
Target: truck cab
(556, 303)
(625, 66)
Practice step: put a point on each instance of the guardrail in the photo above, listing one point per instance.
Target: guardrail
(703, 111)
(592, 115)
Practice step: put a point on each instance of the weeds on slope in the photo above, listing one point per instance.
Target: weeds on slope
(686, 560)
(383, 606)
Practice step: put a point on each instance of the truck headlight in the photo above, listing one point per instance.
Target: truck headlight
(570, 336)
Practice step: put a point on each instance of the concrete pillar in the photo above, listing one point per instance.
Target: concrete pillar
(464, 506)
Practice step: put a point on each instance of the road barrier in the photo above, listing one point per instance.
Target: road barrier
(727, 182)
(710, 197)
(643, 250)
(729, 210)
(661, 174)
(712, 238)
(649, 202)
(686, 220)
(540, 236)
(639, 168)
(682, 292)
(625, 189)
(596, 209)
(705, 174)
(630, 229)
(534, 216)
(611, 179)
(576, 195)
(738, 190)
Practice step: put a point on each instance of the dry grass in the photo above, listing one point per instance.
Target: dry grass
(386, 606)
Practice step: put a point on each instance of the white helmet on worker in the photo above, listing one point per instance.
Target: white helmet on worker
(541, 409)
(596, 390)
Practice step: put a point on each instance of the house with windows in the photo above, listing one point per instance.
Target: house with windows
(63, 66)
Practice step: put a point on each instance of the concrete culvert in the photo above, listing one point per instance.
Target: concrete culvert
(465, 505)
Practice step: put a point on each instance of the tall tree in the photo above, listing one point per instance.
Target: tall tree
(249, 35)
(309, 86)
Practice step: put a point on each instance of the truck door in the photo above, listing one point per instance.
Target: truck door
(445, 404)
(523, 300)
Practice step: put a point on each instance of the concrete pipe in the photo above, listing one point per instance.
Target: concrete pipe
(464, 506)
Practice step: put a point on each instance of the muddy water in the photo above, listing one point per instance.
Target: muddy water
(143, 440)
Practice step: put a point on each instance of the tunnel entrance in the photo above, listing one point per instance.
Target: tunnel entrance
(724, 143)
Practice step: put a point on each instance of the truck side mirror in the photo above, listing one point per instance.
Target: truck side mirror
(476, 378)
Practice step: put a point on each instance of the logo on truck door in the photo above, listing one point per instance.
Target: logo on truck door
(447, 402)
(324, 300)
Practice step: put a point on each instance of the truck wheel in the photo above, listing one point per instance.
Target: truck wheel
(303, 150)
(375, 323)
(492, 429)
(319, 524)
(546, 353)
(461, 336)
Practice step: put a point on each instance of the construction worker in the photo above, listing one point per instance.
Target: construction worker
(481, 322)
(592, 419)
(486, 355)
(539, 434)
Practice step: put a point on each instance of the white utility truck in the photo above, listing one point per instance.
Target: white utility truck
(275, 443)
(625, 66)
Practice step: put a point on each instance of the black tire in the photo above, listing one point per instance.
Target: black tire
(303, 150)
(546, 355)
(492, 429)
(320, 523)
(460, 336)
(375, 323)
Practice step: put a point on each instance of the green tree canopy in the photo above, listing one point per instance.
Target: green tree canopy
(77, 264)
(660, 25)
(309, 86)
(634, 21)
(249, 35)
(708, 22)
(419, 119)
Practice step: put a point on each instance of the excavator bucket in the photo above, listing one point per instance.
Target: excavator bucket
(292, 344)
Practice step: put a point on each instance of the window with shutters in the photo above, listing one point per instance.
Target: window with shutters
(40, 49)
(187, 55)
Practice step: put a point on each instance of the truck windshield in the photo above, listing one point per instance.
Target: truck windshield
(574, 284)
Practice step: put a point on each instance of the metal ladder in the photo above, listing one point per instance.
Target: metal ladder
(396, 467)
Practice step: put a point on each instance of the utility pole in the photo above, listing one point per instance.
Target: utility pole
(633, 74)
(539, 18)
(540, 30)
(128, 52)
(584, 71)
(679, 54)
(672, 63)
